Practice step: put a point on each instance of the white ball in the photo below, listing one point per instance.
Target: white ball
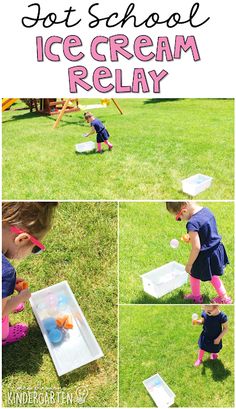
(194, 316)
(174, 243)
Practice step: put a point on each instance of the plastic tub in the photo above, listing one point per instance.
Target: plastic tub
(164, 279)
(77, 346)
(85, 147)
(159, 391)
(196, 184)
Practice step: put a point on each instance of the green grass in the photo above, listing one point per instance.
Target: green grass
(81, 248)
(157, 143)
(145, 233)
(161, 339)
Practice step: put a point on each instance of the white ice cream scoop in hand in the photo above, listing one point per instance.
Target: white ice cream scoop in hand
(174, 243)
(194, 318)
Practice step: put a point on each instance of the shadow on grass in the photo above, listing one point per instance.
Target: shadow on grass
(219, 372)
(28, 115)
(79, 374)
(160, 100)
(177, 298)
(25, 356)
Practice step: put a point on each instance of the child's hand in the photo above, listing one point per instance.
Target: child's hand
(24, 295)
(188, 268)
(217, 341)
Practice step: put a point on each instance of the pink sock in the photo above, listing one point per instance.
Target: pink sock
(200, 354)
(99, 146)
(108, 144)
(195, 286)
(5, 327)
(218, 285)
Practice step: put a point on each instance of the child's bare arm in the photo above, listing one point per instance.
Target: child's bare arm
(196, 246)
(10, 304)
(92, 131)
(224, 331)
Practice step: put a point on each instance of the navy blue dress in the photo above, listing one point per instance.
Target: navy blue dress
(212, 258)
(212, 328)
(102, 133)
(8, 278)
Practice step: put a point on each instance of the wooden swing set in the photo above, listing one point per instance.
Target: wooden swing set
(68, 101)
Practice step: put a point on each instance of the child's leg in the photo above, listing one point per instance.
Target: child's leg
(218, 285)
(99, 146)
(108, 144)
(195, 295)
(199, 358)
(195, 284)
(5, 327)
(214, 356)
(221, 291)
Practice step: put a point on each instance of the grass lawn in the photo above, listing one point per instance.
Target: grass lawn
(157, 143)
(145, 233)
(162, 339)
(81, 248)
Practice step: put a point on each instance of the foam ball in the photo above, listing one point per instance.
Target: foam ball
(55, 336)
(174, 243)
(49, 323)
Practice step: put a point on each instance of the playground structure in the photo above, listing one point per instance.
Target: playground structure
(55, 106)
(104, 104)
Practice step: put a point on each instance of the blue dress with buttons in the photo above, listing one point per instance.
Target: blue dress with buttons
(212, 258)
(212, 328)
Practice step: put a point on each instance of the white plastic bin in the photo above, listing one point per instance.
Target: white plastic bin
(196, 184)
(85, 147)
(164, 279)
(78, 346)
(159, 391)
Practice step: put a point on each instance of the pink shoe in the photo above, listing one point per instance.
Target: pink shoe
(19, 308)
(110, 147)
(196, 299)
(16, 333)
(224, 299)
(214, 356)
(198, 362)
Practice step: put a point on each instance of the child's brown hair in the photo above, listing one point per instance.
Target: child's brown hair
(88, 115)
(33, 217)
(175, 207)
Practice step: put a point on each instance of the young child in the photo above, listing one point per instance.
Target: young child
(99, 128)
(24, 224)
(208, 257)
(215, 326)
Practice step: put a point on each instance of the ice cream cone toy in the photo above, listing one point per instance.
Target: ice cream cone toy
(185, 238)
(174, 243)
(21, 285)
(194, 318)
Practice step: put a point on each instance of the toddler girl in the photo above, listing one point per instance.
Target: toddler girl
(208, 257)
(215, 326)
(24, 224)
(99, 128)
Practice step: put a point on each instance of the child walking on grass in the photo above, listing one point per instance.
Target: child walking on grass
(208, 257)
(215, 326)
(99, 128)
(24, 225)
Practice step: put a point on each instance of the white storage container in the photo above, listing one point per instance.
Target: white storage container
(196, 184)
(159, 391)
(78, 346)
(164, 279)
(85, 147)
